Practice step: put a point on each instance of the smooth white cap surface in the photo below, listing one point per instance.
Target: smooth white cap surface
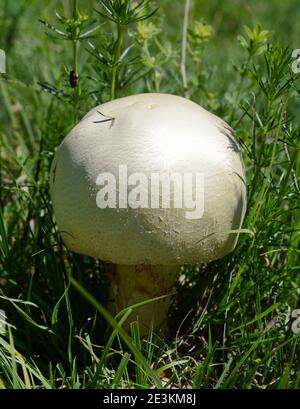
(149, 133)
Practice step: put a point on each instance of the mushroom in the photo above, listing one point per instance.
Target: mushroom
(148, 183)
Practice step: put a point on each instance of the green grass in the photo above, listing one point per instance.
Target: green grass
(231, 320)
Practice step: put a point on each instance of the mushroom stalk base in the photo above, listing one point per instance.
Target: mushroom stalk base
(133, 284)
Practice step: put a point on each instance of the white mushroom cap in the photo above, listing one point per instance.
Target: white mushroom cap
(157, 133)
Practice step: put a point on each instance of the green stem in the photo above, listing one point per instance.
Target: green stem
(75, 9)
(75, 56)
(116, 61)
(76, 89)
(75, 61)
(240, 87)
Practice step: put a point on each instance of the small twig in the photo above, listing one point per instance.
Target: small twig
(109, 119)
(184, 49)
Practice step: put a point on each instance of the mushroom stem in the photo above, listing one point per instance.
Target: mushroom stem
(133, 284)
